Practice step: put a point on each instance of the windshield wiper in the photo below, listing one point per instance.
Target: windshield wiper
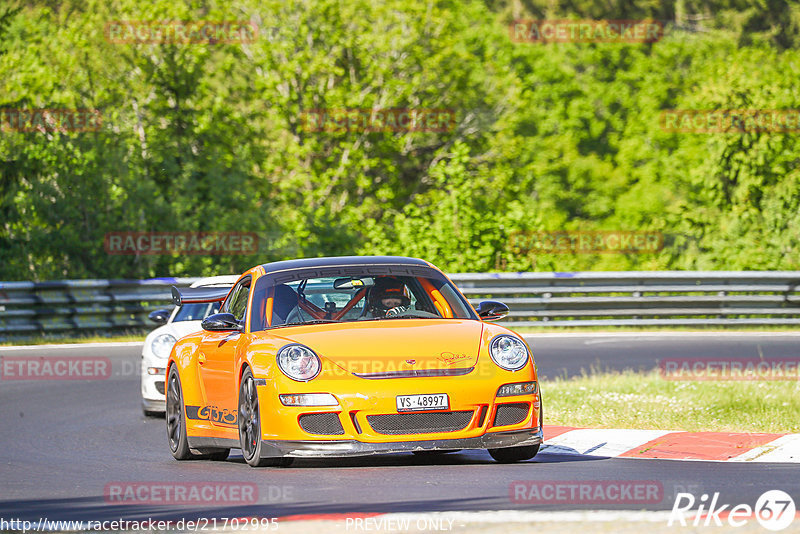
(312, 321)
(408, 316)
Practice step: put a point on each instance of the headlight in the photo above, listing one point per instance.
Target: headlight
(162, 344)
(509, 353)
(298, 362)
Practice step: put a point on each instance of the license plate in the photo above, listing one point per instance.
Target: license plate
(410, 403)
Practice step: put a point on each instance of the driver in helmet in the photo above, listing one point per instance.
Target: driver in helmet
(387, 297)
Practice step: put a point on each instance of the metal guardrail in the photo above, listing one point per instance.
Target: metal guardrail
(641, 298)
(71, 306)
(536, 299)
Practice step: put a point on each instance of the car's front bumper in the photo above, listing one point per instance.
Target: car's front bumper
(341, 448)
(152, 386)
(150, 405)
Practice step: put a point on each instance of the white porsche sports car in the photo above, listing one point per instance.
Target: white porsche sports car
(175, 324)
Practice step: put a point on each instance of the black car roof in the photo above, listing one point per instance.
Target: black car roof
(342, 261)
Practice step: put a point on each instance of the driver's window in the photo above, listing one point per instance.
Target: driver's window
(237, 304)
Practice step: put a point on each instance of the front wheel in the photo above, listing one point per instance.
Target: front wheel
(510, 455)
(250, 426)
(176, 426)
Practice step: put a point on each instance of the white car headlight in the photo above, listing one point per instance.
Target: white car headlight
(298, 362)
(508, 352)
(162, 344)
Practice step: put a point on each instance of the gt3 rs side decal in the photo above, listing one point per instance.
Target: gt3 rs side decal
(212, 413)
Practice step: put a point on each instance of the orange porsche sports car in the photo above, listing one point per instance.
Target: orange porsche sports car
(349, 356)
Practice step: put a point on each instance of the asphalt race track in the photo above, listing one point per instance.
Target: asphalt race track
(570, 354)
(63, 442)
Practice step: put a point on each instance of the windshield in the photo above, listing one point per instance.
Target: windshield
(196, 312)
(356, 297)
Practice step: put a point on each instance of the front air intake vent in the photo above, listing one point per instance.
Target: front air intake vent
(326, 424)
(419, 423)
(511, 414)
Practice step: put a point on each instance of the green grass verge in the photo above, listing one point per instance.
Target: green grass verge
(635, 400)
(79, 339)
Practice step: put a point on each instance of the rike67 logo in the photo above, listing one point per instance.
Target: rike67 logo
(774, 510)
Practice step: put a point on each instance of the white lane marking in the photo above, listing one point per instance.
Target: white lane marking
(600, 442)
(83, 346)
(649, 335)
(784, 449)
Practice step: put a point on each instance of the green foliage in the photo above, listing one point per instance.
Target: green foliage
(566, 136)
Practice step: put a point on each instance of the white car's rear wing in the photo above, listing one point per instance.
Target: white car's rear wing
(189, 295)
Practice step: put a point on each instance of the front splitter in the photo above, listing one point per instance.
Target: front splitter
(344, 448)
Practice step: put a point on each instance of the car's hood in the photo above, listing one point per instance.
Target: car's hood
(393, 345)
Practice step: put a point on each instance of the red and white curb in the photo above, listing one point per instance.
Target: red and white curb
(672, 445)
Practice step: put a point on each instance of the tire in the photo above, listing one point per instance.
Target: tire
(176, 418)
(149, 413)
(250, 426)
(176, 426)
(511, 455)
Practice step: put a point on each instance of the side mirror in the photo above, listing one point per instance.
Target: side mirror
(159, 316)
(220, 322)
(491, 310)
